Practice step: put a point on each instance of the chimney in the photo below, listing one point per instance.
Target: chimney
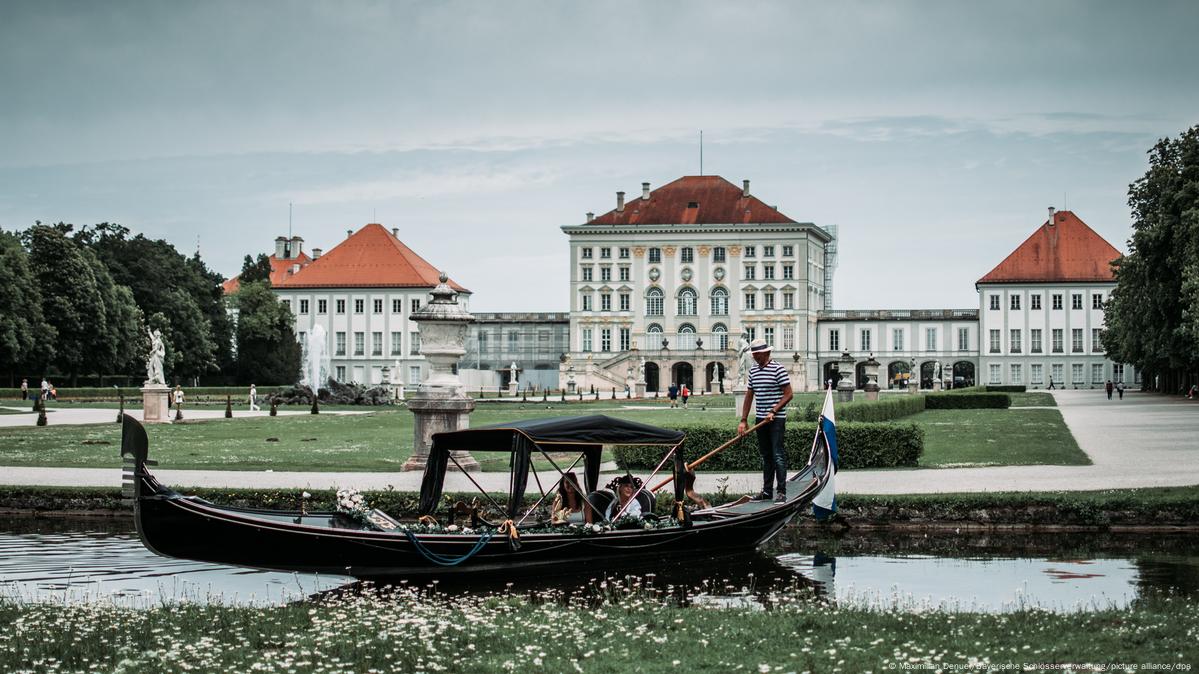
(645, 191)
(349, 233)
(395, 232)
(1051, 216)
(297, 246)
(620, 202)
(590, 216)
(744, 189)
(281, 247)
(316, 252)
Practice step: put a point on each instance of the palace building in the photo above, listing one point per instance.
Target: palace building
(677, 275)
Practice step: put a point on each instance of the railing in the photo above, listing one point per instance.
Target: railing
(897, 314)
(685, 341)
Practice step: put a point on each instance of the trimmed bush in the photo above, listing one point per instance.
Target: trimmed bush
(193, 394)
(967, 401)
(860, 445)
(886, 408)
(1006, 389)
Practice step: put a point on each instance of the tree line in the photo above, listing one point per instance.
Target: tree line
(1152, 317)
(78, 303)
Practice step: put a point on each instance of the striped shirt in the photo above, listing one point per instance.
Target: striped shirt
(767, 382)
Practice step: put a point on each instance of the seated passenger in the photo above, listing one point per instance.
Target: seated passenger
(568, 504)
(624, 487)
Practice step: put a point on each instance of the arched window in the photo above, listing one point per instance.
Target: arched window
(653, 336)
(653, 302)
(720, 302)
(686, 339)
(687, 303)
(721, 333)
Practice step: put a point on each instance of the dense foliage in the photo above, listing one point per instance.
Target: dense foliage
(967, 401)
(886, 408)
(861, 445)
(1152, 317)
(267, 350)
(1005, 389)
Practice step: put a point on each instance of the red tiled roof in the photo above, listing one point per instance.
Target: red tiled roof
(717, 201)
(369, 258)
(1066, 250)
(279, 268)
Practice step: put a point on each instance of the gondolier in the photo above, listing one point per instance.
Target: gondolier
(769, 392)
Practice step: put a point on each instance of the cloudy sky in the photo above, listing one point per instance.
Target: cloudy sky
(933, 134)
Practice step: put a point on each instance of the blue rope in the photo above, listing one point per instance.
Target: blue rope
(443, 560)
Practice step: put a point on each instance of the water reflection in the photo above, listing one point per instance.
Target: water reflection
(87, 560)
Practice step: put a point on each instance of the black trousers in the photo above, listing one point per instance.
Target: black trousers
(774, 456)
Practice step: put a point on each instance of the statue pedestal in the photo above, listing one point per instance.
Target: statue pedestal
(639, 389)
(438, 415)
(936, 385)
(513, 389)
(844, 391)
(156, 408)
(739, 401)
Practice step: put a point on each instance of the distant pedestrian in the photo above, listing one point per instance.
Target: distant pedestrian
(1120, 390)
(53, 392)
(24, 389)
(1109, 388)
(45, 389)
(673, 394)
(684, 393)
(1050, 383)
(253, 398)
(178, 395)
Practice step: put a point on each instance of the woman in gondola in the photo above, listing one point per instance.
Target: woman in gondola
(568, 504)
(624, 487)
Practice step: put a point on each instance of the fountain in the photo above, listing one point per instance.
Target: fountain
(316, 360)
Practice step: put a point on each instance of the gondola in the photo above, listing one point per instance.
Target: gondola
(377, 547)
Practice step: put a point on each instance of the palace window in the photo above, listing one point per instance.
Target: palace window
(963, 339)
(751, 333)
(768, 272)
(767, 301)
(788, 300)
(606, 339)
(587, 274)
(720, 302)
(788, 338)
(653, 302)
(655, 255)
(1076, 300)
(1055, 373)
(834, 340)
(751, 301)
(1034, 302)
(341, 373)
(1076, 340)
(1057, 301)
(624, 253)
(1057, 340)
(930, 339)
(751, 251)
(340, 344)
(1015, 302)
(397, 306)
(624, 274)
(686, 337)
(897, 339)
(322, 306)
(359, 343)
(721, 333)
(625, 302)
(414, 344)
(768, 335)
(341, 306)
(687, 255)
(586, 339)
(994, 334)
(586, 253)
(605, 301)
(397, 345)
(994, 302)
(1014, 340)
(993, 369)
(864, 339)
(1036, 374)
(413, 306)
(605, 274)
(1017, 374)
(1076, 374)
(718, 254)
(788, 271)
(586, 298)
(303, 306)
(377, 306)
(751, 272)
(605, 253)
(1096, 301)
(1096, 373)
(1096, 340)
(624, 339)
(359, 306)
(767, 251)
(687, 303)
(788, 251)
(1034, 340)
(376, 343)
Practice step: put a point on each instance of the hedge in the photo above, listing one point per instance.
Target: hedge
(1006, 389)
(967, 401)
(886, 408)
(860, 445)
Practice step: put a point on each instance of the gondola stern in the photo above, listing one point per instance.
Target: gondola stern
(137, 483)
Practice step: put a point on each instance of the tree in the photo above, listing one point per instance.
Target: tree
(122, 345)
(71, 300)
(1152, 317)
(253, 271)
(267, 351)
(25, 337)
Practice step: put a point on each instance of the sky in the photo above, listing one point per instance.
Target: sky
(934, 135)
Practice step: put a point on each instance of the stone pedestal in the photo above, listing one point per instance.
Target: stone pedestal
(438, 415)
(739, 401)
(513, 389)
(156, 408)
(639, 389)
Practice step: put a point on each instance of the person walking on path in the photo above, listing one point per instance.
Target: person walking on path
(769, 391)
(24, 389)
(1120, 389)
(1050, 383)
(45, 389)
(1108, 387)
(253, 398)
(684, 393)
(673, 394)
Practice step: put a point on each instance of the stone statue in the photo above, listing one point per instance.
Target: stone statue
(744, 362)
(158, 351)
(513, 369)
(937, 376)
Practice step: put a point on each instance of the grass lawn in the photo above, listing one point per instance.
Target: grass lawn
(956, 438)
(1033, 399)
(610, 629)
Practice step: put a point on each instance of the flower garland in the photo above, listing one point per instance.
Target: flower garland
(351, 504)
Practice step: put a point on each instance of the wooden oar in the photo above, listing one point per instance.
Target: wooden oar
(714, 452)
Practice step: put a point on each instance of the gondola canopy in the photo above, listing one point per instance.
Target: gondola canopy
(586, 434)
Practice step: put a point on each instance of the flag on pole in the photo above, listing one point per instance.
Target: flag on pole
(825, 503)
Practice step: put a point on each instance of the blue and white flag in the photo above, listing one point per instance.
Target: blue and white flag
(825, 503)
